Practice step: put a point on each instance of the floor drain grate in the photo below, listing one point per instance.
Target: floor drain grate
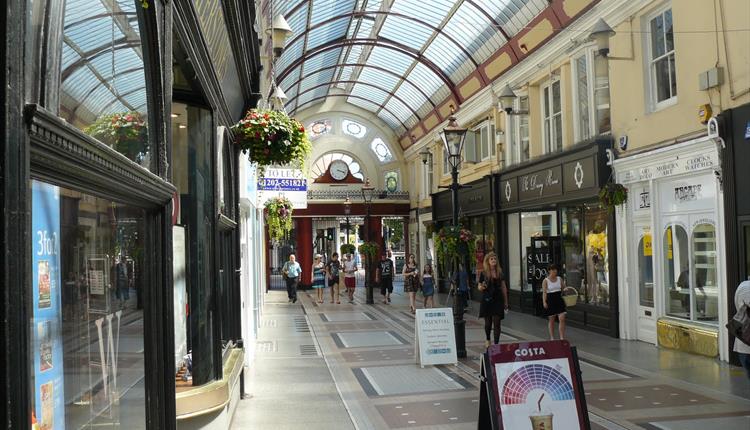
(268, 323)
(308, 350)
(300, 325)
(265, 346)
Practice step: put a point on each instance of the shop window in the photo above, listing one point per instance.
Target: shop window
(597, 256)
(645, 271)
(515, 273)
(319, 128)
(677, 271)
(552, 111)
(480, 142)
(88, 284)
(518, 131)
(535, 224)
(591, 95)
(102, 80)
(574, 263)
(353, 128)
(705, 286)
(662, 76)
(381, 150)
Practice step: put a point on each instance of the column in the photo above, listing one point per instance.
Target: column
(304, 248)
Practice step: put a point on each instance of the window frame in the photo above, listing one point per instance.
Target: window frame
(514, 149)
(446, 165)
(587, 53)
(549, 85)
(653, 105)
(427, 178)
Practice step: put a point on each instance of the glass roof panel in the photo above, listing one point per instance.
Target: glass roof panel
(410, 95)
(326, 9)
(449, 58)
(298, 20)
(391, 120)
(391, 59)
(372, 4)
(365, 28)
(406, 31)
(364, 104)
(514, 15)
(346, 73)
(434, 14)
(474, 31)
(291, 78)
(375, 76)
(371, 93)
(354, 53)
(314, 94)
(316, 79)
(399, 109)
(327, 32)
(429, 82)
(291, 53)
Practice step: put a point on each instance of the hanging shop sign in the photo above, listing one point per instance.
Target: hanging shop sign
(435, 338)
(532, 385)
(278, 182)
(49, 392)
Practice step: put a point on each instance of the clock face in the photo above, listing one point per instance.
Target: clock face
(339, 170)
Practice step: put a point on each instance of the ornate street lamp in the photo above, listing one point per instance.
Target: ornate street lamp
(279, 31)
(601, 32)
(347, 212)
(453, 138)
(368, 194)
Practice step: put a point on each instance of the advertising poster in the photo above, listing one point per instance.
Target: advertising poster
(535, 386)
(290, 183)
(435, 337)
(49, 407)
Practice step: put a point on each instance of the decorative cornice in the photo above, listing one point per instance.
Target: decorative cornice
(63, 154)
(354, 195)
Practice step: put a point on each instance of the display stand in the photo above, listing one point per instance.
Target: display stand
(435, 339)
(536, 384)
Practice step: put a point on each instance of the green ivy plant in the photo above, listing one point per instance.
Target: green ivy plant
(347, 248)
(612, 195)
(278, 217)
(271, 137)
(453, 243)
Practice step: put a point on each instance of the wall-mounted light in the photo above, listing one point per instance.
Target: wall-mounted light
(278, 97)
(279, 32)
(182, 126)
(507, 98)
(174, 115)
(601, 32)
(426, 156)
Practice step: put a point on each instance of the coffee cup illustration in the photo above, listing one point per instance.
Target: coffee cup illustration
(541, 420)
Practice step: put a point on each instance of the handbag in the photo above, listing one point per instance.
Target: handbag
(285, 271)
(739, 326)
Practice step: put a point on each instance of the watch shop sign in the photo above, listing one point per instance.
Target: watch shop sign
(289, 183)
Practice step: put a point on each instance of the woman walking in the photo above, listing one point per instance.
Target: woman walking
(319, 278)
(333, 270)
(350, 279)
(494, 297)
(428, 286)
(554, 306)
(411, 281)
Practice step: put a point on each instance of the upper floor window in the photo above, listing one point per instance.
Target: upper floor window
(590, 95)
(552, 113)
(661, 73)
(427, 173)
(517, 149)
(353, 128)
(102, 81)
(319, 128)
(480, 142)
(446, 165)
(381, 150)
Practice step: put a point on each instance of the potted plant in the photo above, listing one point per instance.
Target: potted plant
(126, 132)
(347, 248)
(278, 217)
(369, 249)
(612, 195)
(271, 137)
(454, 243)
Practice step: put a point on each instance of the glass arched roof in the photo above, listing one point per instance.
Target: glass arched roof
(397, 58)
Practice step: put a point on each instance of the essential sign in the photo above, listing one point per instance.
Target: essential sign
(290, 183)
(435, 338)
(532, 385)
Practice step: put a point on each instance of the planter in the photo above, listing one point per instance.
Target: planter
(126, 132)
(454, 244)
(612, 195)
(347, 248)
(278, 217)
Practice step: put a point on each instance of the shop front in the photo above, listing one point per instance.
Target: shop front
(475, 212)
(671, 242)
(550, 214)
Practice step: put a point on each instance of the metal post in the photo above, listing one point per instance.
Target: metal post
(369, 263)
(458, 304)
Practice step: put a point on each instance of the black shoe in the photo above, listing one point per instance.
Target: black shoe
(294, 300)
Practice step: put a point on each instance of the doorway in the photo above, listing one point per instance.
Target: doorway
(643, 273)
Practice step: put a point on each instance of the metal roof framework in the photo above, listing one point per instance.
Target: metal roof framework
(396, 58)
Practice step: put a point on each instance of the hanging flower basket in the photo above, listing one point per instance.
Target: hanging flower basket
(430, 228)
(278, 217)
(612, 195)
(370, 249)
(126, 132)
(454, 243)
(271, 137)
(347, 248)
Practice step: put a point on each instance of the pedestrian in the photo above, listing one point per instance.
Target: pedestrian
(292, 271)
(742, 298)
(428, 286)
(333, 270)
(350, 279)
(411, 281)
(319, 277)
(554, 305)
(385, 276)
(494, 297)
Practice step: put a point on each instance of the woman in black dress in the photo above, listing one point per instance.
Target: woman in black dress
(494, 297)
(554, 305)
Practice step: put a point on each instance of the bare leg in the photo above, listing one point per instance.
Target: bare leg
(431, 302)
(551, 327)
(562, 326)
(413, 301)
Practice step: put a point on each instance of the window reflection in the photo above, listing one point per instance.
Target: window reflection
(677, 271)
(597, 258)
(705, 286)
(645, 271)
(102, 81)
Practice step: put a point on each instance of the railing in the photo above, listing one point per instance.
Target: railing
(354, 195)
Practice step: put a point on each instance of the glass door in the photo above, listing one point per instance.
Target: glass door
(643, 273)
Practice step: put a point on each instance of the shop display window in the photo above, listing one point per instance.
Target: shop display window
(102, 79)
(585, 253)
(747, 252)
(535, 224)
(645, 271)
(515, 274)
(87, 325)
(705, 285)
(676, 271)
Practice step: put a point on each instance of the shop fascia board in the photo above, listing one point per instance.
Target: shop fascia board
(613, 12)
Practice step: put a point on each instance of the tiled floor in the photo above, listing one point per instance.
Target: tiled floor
(367, 377)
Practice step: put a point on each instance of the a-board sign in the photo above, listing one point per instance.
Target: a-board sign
(532, 385)
(435, 337)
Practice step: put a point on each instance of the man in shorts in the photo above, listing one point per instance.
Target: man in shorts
(350, 279)
(385, 276)
(333, 270)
